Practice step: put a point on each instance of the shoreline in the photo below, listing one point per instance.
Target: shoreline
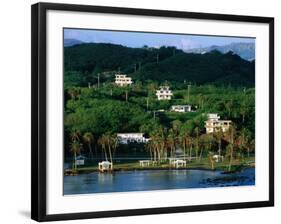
(224, 169)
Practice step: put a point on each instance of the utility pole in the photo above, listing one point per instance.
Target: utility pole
(89, 85)
(111, 92)
(188, 92)
(98, 80)
(147, 103)
(154, 114)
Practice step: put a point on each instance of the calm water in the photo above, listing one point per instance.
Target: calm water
(123, 181)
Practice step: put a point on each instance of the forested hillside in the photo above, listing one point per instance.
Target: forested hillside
(83, 62)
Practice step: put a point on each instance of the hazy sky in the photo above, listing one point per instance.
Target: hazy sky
(139, 39)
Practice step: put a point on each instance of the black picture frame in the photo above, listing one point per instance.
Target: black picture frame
(39, 122)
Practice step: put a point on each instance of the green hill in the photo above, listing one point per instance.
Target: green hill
(83, 62)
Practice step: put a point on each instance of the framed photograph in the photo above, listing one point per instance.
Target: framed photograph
(139, 111)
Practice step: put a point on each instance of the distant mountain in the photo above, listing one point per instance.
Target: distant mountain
(244, 50)
(83, 62)
(71, 42)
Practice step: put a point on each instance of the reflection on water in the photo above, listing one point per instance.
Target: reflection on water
(123, 181)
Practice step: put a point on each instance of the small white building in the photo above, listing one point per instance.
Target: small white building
(181, 108)
(80, 160)
(218, 158)
(123, 80)
(214, 124)
(105, 166)
(125, 138)
(178, 163)
(164, 93)
(144, 163)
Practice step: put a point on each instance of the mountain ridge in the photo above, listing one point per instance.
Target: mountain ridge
(244, 50)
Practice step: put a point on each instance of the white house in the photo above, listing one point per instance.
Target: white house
(164, 93)
(80, 160)
(125, 138)
(123, 80)
(214, 124)
(181, 108)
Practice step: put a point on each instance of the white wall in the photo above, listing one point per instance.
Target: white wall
(15, 109)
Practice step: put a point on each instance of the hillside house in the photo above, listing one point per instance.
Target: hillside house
(164, 93)
(181, 108)
(123, 80)
(214, 124)
(125, 138)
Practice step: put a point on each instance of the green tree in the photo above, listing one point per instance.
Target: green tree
(230, 146)
(88, 139)
(75, 148)
(218, 134)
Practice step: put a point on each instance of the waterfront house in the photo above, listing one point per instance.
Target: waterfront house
(80, 160)
(125, 138)
(214, 124)
(181, 108)
(123, 80)
(164, 93)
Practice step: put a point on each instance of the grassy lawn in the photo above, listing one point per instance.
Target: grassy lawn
(204, 163)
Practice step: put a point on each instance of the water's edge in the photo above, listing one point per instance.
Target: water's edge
(144, 180)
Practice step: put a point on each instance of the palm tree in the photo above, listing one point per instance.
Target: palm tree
(243, 110)
(190, 145)
(171, 142)
(102, 142)
(158, 141)
(205, 143)
(75, 135)
(127, 90)
(230, 147)
(149, 147)
(228, 105)
(108, 142)
(114, 140)
(183, 139)
(75, 148)
(88, 139)
(219, 136)
(211, 159)
(196, 131)
(176, 125)
(152, 145)
(186, 131)
(244, 140)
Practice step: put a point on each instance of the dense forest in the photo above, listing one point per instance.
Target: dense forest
(96, 109)
(84, 61)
